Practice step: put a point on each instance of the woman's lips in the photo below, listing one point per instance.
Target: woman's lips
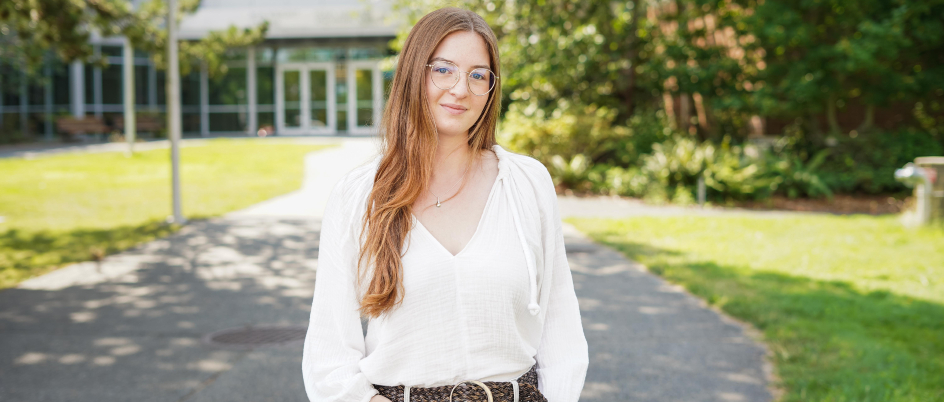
(453, 109)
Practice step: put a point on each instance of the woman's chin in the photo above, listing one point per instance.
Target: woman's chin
(451, 129)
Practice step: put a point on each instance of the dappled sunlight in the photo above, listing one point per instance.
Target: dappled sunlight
(588, 304)
(598, 390)
(732, 396)
(650, 310)
(739, 377)
(598, 326)
(145, 310)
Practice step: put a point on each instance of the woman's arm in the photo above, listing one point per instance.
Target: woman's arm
(334, 344)
(562, 356)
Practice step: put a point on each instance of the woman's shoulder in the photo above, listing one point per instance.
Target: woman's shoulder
(358, 182)
(525, 165)
(519, 159)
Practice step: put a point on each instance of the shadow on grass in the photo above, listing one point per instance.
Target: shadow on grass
(24, 254)
(831, 341)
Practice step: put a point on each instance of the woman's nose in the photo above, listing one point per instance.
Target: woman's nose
(461, 89)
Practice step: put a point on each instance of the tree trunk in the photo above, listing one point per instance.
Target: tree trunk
(669, 108)
(700, 111)
(813, 125)
(831, 115)
(869, 119)
(685, 119)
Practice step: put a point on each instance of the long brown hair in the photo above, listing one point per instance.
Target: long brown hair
(409, 145)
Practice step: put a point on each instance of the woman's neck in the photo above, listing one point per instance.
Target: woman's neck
(452, 155)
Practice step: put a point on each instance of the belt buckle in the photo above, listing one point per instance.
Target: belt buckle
(488, 392)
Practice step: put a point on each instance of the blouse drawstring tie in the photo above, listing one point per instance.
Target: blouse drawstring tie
(533, 306)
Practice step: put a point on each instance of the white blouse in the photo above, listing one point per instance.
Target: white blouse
(470, 316)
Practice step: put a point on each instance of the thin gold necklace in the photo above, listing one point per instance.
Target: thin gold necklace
(439, 204)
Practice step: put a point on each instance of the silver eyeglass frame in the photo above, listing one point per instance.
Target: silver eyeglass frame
(488, 391)
(467, 74)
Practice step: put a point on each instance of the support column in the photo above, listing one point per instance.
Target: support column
(204, 102)
(129, 98)
(47, 102)
(1, 96)
(152, 87)
(97, 84)
(252, 122)
(24, 104)
(77, 82)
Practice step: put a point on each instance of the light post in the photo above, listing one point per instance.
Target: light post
(173, 108)
(129, 112)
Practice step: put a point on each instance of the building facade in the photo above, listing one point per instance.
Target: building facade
(319, 71)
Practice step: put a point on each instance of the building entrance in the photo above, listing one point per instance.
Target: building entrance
(305, 99)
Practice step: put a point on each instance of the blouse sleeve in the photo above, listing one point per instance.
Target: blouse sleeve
(562, 355)
(334, 344)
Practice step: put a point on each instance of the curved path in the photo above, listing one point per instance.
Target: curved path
(130, 327)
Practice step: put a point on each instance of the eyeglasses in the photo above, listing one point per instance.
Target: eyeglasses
(445, 75)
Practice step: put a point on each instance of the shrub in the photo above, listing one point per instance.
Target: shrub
(793, 177)
(867, 162)
(569, 131)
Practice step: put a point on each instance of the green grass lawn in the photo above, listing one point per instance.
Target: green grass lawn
(852, 307)
(77, 207)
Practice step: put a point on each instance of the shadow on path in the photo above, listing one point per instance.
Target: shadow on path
(652, 341)
(130, 328)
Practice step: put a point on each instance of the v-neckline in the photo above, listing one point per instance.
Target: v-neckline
(478, 227)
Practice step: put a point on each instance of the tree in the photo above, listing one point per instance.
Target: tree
(30, 29)
(618, 55)
(558, 53)
(822, 54)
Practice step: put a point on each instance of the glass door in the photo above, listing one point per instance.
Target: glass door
(365, 96)
(291, 116)
(304, 105)
(318, 105)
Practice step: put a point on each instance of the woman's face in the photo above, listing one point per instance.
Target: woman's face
(455, 110)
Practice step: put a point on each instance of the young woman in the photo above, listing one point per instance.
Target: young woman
(449, 244)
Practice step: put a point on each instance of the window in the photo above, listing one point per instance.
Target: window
(112, 93)
(229, 88)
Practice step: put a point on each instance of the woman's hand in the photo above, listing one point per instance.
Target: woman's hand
(379, 398)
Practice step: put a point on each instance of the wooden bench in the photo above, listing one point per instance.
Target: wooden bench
(86, 125)
(143, 123)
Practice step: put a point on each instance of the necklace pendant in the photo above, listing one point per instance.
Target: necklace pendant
(437, 202)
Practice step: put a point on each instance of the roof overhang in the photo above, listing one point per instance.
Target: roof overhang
(344, 19)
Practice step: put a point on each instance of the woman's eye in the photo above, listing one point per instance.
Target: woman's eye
(478, 76)
(442, 70)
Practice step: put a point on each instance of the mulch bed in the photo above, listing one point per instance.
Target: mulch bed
(840, 204)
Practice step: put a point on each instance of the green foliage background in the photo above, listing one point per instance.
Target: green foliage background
(585, 85)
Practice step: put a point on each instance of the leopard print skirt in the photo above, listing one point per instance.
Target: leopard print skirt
(502, 391)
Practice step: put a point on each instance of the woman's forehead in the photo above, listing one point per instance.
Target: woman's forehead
(464, 48)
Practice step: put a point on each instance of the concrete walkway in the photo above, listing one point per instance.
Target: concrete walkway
(130, 327)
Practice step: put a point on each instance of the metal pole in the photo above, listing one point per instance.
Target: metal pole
(130, 120)
(253, 122)
(173, 107)
(701, 190)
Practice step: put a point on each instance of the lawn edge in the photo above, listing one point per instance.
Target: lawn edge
(774, 384)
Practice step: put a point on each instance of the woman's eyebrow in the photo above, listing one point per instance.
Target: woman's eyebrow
(442, 59)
